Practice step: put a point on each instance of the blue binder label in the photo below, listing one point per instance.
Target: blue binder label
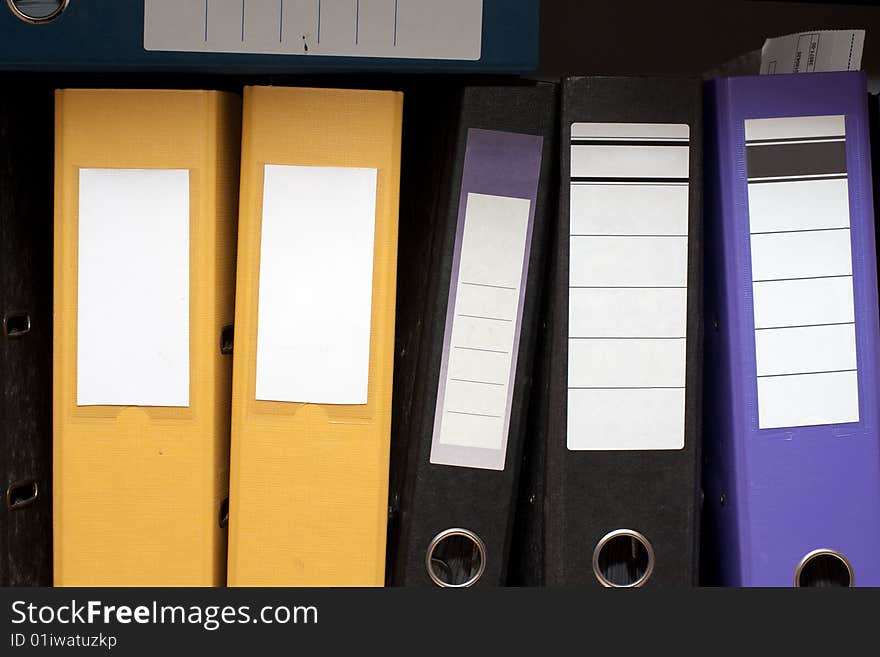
(627, 332)
(411, 29)
(802, 275)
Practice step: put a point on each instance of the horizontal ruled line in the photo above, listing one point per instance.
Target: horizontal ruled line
(474, 414)
(801, 278)
(758, 181)
(770, 376)
(488, 351)
(628, 337)
(482, 383)
(626, 388)
(622, 235)
(797, 326)
(638, 141)
(491, 319)
(627, 287)
(794, 140)
(497, 287)
(801, 230)
(632, 180)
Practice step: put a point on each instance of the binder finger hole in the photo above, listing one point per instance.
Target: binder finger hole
(16, 324)
(37, 11)
(22, 493)
(456, 558)
(623, 559)
(824, 569)
(227, 339)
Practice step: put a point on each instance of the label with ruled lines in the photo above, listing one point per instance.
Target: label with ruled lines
(486, 297)
(410, 29)
(802, 276)
(627, 322)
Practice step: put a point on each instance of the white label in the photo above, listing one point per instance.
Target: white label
(628, 271)
(412, 29)
(801, 254)
(133, 288)
(474, 395)
(813, 52)
(316, 284)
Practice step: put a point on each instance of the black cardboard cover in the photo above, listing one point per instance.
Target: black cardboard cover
(26, 193)
(427, 499)
(571, 499)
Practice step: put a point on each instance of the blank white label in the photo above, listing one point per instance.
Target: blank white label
(133, 288)
(316, 284)
(625, 419)
(628, 273)
(473, 403)
(416, 29)
(801, 256)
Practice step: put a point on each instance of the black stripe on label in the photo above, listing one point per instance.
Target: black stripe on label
(632, 142)
(756, 142)
(634, 181)
(761, 181)
(792, 160)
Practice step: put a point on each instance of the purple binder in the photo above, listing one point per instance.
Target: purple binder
(792, 433)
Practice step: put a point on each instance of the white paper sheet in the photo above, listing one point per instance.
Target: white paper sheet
(813, 52)
(316, 284)
(133, 288)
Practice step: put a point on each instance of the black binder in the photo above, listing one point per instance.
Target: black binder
(477, 201)
(611, 490)
(26, 193)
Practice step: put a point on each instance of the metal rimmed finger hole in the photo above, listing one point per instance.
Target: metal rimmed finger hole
(456, 558)
(16, 324)
(227, 340)
(22, 493)
(37, 11)
(824, 569)
(223, 514)
(623, 558)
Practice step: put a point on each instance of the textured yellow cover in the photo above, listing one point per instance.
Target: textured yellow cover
(138, 489)
(309, 482)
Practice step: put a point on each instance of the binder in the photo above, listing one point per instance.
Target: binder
(26, 347)
(311, 405)
(478, 208)
(270, 36)
(145, 200)
(612, 493)
(793, 477)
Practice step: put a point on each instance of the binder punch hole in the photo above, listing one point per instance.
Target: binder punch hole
(223, 514)
(623, 559)
(16, 324)
(456, 558)
(21, 494)
(37, 12)
(227, 340)
(824, 569)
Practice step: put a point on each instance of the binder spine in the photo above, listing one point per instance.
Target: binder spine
(26, 337)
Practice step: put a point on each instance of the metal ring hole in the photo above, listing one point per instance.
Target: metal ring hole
(223, 514)
(824, 569)
(37, 11)
(16, 324)
(456, 558)
(623, 559)
(21, 494)
(227, 340)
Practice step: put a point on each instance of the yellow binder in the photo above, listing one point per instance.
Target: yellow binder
(145, 215)
(315, 295)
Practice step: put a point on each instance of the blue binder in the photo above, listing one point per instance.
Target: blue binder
(202, 35)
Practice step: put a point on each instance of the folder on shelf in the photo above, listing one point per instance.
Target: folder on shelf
(612, 493)
(144, 264)
(26, 348)
(271, 36)
(317, 263)
(793, 476)
(478, 208)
